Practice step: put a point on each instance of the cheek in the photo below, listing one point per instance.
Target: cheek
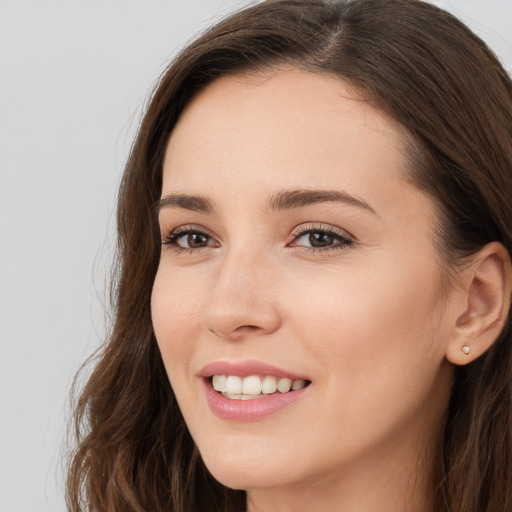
(378, 349)
(354, 301)
(175, 310)
(373, 327)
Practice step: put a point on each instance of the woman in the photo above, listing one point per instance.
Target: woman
(314, 275)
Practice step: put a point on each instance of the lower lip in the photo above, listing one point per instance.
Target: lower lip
(248, 410)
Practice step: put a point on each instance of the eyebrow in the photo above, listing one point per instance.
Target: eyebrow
(288, 199)
(283, 200)
(187, 202)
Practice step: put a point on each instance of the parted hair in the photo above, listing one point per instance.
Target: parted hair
(428, 72)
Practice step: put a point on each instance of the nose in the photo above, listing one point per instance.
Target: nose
(242, 302)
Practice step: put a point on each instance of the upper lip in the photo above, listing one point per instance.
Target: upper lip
(245, 369)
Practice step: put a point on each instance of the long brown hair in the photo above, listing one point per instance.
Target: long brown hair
(428, 72)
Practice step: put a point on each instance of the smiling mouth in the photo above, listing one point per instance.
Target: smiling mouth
(254, 386)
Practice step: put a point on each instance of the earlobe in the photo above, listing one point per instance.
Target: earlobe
(487, 288)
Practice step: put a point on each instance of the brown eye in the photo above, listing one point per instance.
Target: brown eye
(319, 239)
(190, 239)
(193, 240)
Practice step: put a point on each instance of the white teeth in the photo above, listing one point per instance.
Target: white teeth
(269, 385)
(233, 385)
(241, 397)
(284, 385)
(219, 383)
(298, 384)
(251, 385)
(239, 388)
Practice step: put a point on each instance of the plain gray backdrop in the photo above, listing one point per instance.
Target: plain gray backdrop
(74, 76)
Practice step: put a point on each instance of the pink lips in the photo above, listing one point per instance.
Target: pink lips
(247, 410)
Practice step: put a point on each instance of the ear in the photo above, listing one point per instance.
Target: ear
(487, 286)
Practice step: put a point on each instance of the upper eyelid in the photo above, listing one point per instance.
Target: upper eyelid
(305, 228)
(185, 228)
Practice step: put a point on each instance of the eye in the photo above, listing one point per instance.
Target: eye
(189, 239)
(320, 238)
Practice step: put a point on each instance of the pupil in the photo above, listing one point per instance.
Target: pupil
(320, 239)
(196, 240)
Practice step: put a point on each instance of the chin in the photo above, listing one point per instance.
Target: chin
(243, 473)
(240, 481)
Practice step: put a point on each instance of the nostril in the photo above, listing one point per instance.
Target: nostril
(239, 330)
(244, 328)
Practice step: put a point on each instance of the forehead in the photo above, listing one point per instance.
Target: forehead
(284, 129)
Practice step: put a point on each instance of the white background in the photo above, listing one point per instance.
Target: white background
(73, 78)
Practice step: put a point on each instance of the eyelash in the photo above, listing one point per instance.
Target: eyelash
(341, 239)
(173, 237)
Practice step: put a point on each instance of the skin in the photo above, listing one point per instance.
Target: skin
(364, 320)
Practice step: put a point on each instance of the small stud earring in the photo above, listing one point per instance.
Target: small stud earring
(465, 349)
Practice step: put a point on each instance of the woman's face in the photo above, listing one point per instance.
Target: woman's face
(296, 253)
